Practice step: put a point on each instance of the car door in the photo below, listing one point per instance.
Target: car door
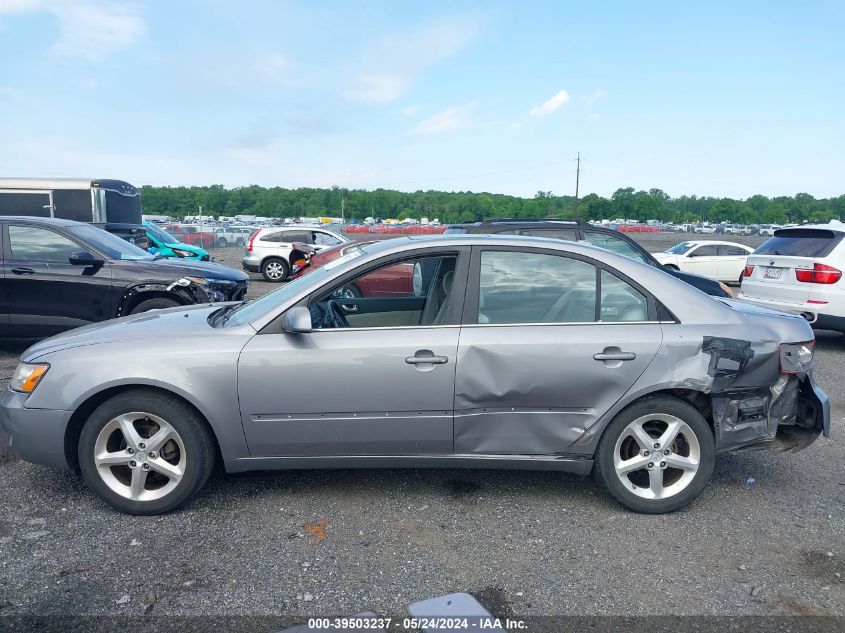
(549, 342)
(382, 386)
(731, 262)
(701, 260)
(47, 294)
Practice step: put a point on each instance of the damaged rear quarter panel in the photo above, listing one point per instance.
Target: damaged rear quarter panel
(737, 374)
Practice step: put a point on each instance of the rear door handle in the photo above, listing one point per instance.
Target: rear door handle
(23, 271)
(615, 356)
(431, 360)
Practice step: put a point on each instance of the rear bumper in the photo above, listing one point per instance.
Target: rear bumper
(251, 263)
(816, 312)
(37, 435)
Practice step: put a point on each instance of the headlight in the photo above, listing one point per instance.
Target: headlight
(796, 358)
(182, 253)
(27, 376)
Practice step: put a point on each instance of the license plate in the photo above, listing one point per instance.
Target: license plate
(773, 273)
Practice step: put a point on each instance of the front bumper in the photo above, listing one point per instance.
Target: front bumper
(37, 435)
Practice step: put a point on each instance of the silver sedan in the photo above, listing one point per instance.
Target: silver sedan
(456, 351)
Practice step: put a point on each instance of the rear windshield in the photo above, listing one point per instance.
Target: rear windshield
(801, 243)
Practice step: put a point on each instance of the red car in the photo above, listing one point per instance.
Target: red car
(394, 281)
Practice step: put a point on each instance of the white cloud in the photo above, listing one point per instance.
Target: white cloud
(88, 29)
(273, 65)
(411, 110)
(379, 88)
(550, 105)
(389, 68)
(598, 94)
(445, 121)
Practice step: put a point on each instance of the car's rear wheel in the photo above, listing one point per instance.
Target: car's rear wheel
(274, 269)
(157, 303)
(145, 453)
(656, 456)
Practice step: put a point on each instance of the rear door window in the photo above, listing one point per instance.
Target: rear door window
(519, 287)
(297, 236)
(732, 251)
(616, 244)
(801, 243)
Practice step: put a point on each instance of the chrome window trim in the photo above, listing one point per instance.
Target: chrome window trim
(478, 325)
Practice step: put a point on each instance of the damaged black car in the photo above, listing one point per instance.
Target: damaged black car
(60, 274)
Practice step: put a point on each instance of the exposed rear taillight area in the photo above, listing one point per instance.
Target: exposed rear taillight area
(796, 358)
(748, 270)
(818, 274)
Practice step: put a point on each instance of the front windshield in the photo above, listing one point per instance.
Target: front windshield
(113, 246)
(680, 249)
(160, 234)
(251, 310)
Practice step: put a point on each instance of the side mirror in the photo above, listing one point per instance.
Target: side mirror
(297, 320)
(84, 258)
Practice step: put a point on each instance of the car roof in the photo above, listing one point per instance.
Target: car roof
(43, 221)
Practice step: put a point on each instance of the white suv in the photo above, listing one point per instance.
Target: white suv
(268, 250)
(799, 270)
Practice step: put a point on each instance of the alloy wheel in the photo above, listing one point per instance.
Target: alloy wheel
(140, 456)
(657, 456)
(274, 270)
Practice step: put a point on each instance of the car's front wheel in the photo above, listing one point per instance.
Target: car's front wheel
(145, 452)
(657, 455)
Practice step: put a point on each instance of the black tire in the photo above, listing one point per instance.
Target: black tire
(157, 303)
(222, 243)
(347, 291)
(193, 433)
(605, 472)
(275, 269)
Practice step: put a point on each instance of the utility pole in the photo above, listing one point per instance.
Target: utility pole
(342, 210)
(577, 182)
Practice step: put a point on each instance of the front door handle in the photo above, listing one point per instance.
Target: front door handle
(429, 359)
(23, 271)
(620, 355)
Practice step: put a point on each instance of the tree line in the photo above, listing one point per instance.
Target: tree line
(453, 207)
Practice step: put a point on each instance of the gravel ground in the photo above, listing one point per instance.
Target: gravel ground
(765, 538)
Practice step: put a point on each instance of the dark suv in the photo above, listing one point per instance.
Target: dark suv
(60, 274)
(576, 231)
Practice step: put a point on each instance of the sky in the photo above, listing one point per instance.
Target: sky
(708, 98)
